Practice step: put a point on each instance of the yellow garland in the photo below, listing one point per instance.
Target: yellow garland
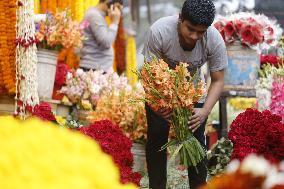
(242, 103)
(37, 6)
(131, 65)
(70, 160)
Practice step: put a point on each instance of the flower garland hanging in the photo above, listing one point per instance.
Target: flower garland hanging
(120, 49)
(43, 6)
(26, 58)
(131, 61)
(7, 47)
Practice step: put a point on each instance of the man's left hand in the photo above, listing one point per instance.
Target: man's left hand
(198, 117)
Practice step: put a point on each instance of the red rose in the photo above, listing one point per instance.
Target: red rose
(247, 35)
(229, 29)
(238, 25)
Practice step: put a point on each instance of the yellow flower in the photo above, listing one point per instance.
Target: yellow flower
(60, 120)
(36, 154)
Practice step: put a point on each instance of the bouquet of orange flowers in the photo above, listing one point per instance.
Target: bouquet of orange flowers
(178, 91)
(59, 31)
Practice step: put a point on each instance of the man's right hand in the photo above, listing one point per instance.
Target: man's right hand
(165, 113)
(114, 14)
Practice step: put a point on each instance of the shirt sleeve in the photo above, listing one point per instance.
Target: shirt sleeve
(103, 34)
(152, 46)
(217, 58)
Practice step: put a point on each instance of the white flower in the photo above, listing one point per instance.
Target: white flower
(233, 166)
(255, 165)
(274, 178)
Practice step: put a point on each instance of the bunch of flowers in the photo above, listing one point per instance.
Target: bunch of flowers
(85, 88)
(242, 103)
(272, 60)
(254, 31)
(59, 31)
(43, 111)
(178, 91)
(277, 97)
(117, 107)
(253, 173)
(257, 132)
(51, 157)
(268, 75)
(114, 143)
(219, 156)
(62, 70)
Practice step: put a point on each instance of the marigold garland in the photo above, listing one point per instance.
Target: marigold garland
(70, 160)
(131, 61)
(7, 46)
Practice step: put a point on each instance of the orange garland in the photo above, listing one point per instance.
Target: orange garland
(69, 57)
(7, 44)
(120, 49)
(43, 6)
(52, 6)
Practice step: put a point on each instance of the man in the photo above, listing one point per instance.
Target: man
(97, 51)
(188, 38)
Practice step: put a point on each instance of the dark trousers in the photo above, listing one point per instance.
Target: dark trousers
(157, 136)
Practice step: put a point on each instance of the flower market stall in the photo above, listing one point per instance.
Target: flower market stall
(81, 128)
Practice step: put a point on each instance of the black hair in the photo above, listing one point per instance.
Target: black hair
(113, 1)
(198, 12)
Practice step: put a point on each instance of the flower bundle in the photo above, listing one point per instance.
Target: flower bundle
(254, 31)
(51, 157)
(269, 74)
(272, 60)
(254, 173)
(277, 97)
(116, 107)
(257, 132)
(86, 87)
(219, 156)
(59, 31)
(178, 91)
(114, 143)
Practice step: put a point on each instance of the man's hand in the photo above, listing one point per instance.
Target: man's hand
(114, 14)
(164, 113)
(198, 117)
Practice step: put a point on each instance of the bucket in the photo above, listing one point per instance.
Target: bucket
(46, 69)
(139, 157)
(243, 64)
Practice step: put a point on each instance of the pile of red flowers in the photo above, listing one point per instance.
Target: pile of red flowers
(62, 70)
(116, 144)
(257, 132)
(43, 111)
(272, 60)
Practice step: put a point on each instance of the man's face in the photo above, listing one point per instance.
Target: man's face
(189, 34)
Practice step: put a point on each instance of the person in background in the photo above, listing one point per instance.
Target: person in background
(97, 52)
(191, 39)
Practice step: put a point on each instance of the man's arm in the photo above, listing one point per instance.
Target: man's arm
(217, 60)
(103, 34)
(214, 92)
